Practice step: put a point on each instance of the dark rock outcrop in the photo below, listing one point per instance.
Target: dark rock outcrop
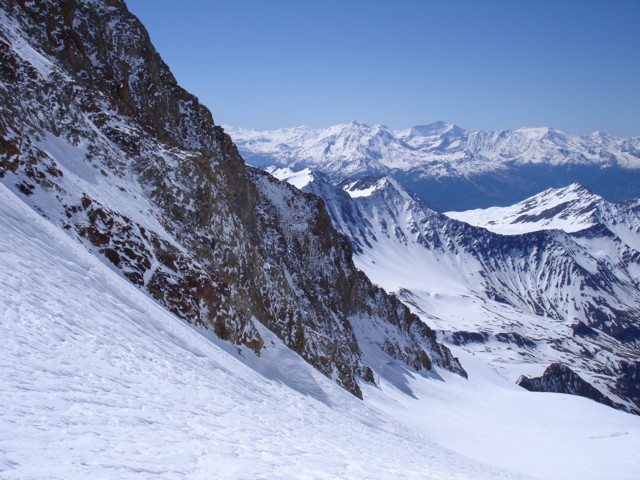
(558, 378)
(628, 381)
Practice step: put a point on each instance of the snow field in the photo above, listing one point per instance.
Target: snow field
(97, 380)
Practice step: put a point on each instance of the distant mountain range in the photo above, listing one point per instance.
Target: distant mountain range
(451, 168)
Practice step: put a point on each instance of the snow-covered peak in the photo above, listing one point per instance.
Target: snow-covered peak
(354, 187)
(365, 187)
(356, 134)
(571, 209)
(534, 133)
(431, 130)
(575, 193)
(600, 136)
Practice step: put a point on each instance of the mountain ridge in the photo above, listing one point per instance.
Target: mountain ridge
(533, 297)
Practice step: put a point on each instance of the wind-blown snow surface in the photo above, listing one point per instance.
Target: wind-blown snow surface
(97, 380)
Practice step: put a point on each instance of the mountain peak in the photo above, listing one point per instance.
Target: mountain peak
(364, 187)
(601, 137)
(298, 179)
(572, 208)
(542, 134)
(577, 188)
(432, 129)
(575, 192)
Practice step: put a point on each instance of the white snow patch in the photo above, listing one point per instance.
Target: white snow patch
(355, 192)
(299, 179)
(25, 51)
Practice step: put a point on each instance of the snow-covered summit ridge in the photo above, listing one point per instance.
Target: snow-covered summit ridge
(430, 130)
(571, 209)
(365, 187)
(298, 179)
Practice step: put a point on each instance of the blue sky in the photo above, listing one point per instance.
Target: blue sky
(483, 64)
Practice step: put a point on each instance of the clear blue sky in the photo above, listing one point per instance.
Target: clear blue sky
(483, 64)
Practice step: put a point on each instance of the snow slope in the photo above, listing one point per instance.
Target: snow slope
(569, 209)
(97, 380)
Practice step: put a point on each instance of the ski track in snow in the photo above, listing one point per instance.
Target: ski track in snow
(99, 381)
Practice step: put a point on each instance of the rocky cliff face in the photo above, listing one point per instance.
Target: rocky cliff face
(97, 136)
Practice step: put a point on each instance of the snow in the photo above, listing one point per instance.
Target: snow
(430, 130)
(299, 179)
(569, 209)
(41, 64)
(437, 150)
(85, 175)
(415, 268)
(97, 380)
(544, 435)
(355, 192)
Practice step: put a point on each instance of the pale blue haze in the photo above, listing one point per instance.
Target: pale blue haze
(568, 64)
